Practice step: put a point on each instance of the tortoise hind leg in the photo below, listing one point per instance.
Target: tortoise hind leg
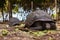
(50, 25)
(53, 26)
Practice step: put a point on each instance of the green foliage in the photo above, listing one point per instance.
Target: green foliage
(2, 3)
(38, 1)
(42, 33)
(15, 8)
(14, 1)
(4, 32)
(18, 1)
(39, 33)
(16, 29)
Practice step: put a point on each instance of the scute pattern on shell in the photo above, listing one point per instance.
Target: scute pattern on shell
(37, 15)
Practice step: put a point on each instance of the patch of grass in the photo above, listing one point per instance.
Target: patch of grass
(42, 33)
(16, 29)
(4, 32)
(38, 33)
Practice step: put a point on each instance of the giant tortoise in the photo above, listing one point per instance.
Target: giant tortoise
(39, 20)
(14, 21)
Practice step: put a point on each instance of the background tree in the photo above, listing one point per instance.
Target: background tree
(2, 2)
(40, 3)
(10, 6)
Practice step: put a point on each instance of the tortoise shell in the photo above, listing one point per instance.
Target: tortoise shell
(37, 15)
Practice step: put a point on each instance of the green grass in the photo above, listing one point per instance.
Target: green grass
(42, 33)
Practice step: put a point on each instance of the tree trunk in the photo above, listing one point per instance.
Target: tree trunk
(56, 9)
(2, 14)
(10, 10)
(32, 5)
